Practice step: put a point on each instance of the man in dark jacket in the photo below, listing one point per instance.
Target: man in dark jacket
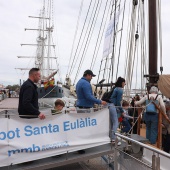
(85, 97)
(28, 97)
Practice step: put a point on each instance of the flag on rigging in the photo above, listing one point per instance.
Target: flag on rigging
(52, 82)
(109, 35)
(48, 83)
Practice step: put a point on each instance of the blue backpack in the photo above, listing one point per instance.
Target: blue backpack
(150, 107)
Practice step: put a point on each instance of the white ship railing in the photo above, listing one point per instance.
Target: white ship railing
(156, 162)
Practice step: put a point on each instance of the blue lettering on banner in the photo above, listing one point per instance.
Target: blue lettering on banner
(55, 145)
(29, 130)
(79, 123)
(11, 134)
(36, 148)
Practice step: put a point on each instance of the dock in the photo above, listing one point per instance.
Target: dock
(9, 104)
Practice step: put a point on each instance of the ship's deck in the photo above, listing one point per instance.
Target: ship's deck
(65, 161)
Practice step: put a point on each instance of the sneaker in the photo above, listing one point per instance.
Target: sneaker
(118, 138)
(112, 140)
(119, 143)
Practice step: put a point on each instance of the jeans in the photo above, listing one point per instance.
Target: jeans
(126, 125)
(151, 127)
(114, 119)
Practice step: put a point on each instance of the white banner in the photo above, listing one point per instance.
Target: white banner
(24, 140)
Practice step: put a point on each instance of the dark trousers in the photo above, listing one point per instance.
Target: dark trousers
(126, 126)
(167, 143)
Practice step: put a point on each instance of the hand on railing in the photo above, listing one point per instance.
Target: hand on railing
(41, 116)
(103, 102)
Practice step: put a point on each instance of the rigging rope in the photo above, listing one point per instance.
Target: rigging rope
(93, 58)
(91, 33)
(131, 51)
(160, 34)
(135, 46)
(144, 58)
(75, 34)
(120, 39)
(85, 37)
(72, 68)
(136, 71)
(107, 67)
(114, 38)
(100, 43)
(83, 55)
(127, 43)
(101, 39)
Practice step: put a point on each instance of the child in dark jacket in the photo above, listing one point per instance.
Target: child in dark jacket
(125, 118)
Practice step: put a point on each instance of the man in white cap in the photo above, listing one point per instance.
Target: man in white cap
(151, 113)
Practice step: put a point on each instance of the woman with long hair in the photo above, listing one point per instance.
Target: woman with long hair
(116, 99)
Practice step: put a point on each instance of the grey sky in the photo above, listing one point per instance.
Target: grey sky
(14, 18)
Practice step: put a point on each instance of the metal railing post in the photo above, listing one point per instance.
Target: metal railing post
(158, 163)
(115, 157)
(153, 162)
(6, 113)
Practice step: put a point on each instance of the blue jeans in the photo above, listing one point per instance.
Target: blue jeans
(151, 127)
(114, 119)
(126, 125)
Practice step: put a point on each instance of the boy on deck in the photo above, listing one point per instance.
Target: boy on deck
(125, 118)
(59, 104)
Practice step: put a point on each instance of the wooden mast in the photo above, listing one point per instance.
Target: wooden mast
(153, 55)
(153, 42)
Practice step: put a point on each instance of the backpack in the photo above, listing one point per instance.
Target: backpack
(107, 95)
(150, 107)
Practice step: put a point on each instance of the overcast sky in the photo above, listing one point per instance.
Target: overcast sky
(14, 18)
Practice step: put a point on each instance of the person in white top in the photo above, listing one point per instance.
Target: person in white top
(151, 113)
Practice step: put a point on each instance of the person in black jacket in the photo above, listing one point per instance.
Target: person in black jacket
(134, 113)
(28, 97)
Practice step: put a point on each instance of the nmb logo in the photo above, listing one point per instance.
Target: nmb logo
(34, 148)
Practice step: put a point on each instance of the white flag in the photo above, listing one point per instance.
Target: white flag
(108, 41)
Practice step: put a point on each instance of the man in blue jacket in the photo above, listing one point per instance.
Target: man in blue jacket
(85, 97)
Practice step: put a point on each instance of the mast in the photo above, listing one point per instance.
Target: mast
(153, 42)
(49, 39)
(43, 42)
